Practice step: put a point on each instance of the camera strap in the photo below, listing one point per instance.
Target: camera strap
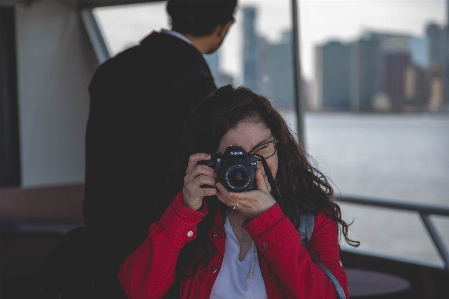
(274, 189)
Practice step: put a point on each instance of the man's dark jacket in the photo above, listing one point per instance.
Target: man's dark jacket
(139, 101)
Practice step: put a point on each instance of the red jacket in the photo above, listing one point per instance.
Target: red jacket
(287, 267)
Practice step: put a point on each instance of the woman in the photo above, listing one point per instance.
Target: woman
(214, 243)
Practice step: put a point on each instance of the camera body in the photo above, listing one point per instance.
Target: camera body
(235, 169)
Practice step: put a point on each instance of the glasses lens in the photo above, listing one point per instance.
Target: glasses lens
(266, 150)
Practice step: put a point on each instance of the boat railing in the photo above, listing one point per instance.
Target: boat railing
(424, 210)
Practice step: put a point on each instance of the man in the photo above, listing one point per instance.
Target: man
(139, 101)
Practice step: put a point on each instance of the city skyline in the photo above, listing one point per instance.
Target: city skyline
(319, 21)
(381, 71)
(346, 20)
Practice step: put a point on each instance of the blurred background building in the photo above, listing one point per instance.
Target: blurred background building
(382, 72)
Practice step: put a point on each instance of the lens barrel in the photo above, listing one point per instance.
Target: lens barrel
(238, 176)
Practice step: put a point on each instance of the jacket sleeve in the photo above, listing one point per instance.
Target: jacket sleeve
(150, 270)
(279, 241)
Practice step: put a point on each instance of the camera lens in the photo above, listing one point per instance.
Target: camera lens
(238, 177)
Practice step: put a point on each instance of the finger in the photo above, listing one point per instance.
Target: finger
(232, 202)
(233, 205)
(261, 180)
(231, 196)
(267, 183)
(194, 159)
(221, 198)
(193, 186)
(208, 191)
(223, 195)
(221, 188)
(233, 199)
(204, 180)
(198, 171)
(193, 193)
(204, 170)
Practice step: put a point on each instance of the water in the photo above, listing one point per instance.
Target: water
(390, 156)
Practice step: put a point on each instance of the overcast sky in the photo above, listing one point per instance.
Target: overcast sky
(320, 20)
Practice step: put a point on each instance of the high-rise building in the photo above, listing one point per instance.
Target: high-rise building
(332, 75)
(264, 74)
(267, 66)
(446, 60)
(436, 88)
(220, 77)
(282, 73)
(419, 51)
(365, 71)
(434, 34)
(372, 63)
(394, 66)
(213, 60)
(416, 89)
(250, 49)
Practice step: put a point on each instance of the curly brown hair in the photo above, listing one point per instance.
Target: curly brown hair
(303, 188)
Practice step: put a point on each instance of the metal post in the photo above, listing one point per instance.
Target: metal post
(95, 36)
(436, 239)
(299, 101)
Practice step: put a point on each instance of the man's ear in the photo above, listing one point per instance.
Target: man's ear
(222, 29)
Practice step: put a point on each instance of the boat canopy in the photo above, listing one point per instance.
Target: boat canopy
(77, 3)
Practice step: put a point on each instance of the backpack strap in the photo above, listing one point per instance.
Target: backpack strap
(333, 279)
(306, 224)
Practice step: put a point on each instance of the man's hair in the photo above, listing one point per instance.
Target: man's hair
(199, 17)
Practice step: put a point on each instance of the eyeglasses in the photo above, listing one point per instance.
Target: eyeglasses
(266, 149)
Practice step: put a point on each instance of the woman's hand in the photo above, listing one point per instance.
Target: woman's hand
(197, 175)
(252, 203)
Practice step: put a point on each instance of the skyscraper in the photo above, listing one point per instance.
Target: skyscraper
(434, 34)
(395, 65)
(365, 71)
(267, 66)
(419, 51)
(220, 77)
(281, 71)
(332, 75)
(372, 61)
(250, 48)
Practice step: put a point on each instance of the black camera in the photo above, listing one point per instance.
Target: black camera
(235, 169)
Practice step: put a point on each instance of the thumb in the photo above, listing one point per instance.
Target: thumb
(260, 180)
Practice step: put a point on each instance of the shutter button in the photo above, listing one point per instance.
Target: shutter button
(190, 234)
(264, 246)
(213, 270)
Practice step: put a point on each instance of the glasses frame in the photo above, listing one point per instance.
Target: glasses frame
(274, 141)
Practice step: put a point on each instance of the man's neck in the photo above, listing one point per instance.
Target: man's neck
(176, 34)
(202, 44)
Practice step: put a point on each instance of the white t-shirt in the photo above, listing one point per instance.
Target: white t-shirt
(231, 280)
